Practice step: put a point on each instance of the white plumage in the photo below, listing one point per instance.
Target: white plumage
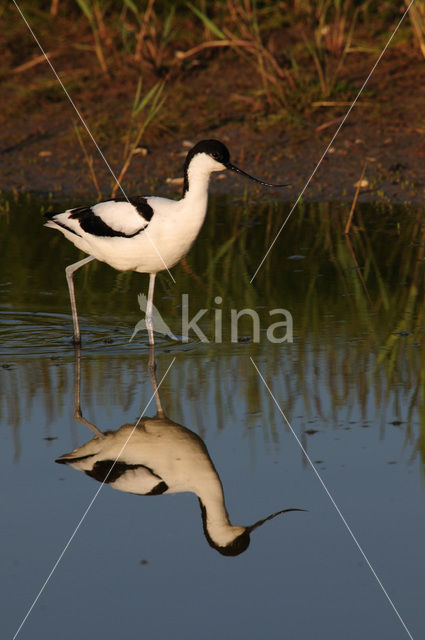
(158, 456)
(161, 457)
(145, 234)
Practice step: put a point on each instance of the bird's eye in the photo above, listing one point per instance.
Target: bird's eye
(216, 155)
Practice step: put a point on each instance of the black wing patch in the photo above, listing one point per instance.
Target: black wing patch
(161, 487)
(141, 204)
(117, 469)
(93, 224)
(101, 469)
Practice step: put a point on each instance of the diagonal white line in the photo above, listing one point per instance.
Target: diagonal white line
(332, 500)
(83, 517)
(333, 138)
(86, 127)
(69, 97)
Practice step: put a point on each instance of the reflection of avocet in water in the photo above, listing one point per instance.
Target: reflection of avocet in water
(161, 457)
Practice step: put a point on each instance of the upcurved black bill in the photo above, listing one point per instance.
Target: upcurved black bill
(260, 522)
(243, 173)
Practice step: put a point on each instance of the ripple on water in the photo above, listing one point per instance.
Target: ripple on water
(43, 334)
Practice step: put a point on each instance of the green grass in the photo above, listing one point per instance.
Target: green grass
(298, 52)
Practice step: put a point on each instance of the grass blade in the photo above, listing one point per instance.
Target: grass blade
(207, 22)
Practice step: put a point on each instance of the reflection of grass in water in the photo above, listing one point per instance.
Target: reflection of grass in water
(351, 345)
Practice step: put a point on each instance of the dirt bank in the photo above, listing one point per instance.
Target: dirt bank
(39, 149)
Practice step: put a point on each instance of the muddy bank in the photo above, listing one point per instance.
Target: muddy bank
(395, 171)
(39, 150)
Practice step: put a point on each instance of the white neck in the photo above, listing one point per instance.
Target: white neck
(198, 181)
(194, 202)
(216, 519)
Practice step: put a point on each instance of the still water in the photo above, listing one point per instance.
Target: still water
(243, 424)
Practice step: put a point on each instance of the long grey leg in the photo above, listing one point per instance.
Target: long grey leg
(149, 308)
(152, 374)
(78, 415)
(69, 278)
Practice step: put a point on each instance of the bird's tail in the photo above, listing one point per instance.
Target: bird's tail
(82, 457)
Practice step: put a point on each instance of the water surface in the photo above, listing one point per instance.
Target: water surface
(351, 385)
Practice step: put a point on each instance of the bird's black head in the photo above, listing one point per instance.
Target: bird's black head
(213, 148)
(237, 546)
(220, 153)
(234, 548)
